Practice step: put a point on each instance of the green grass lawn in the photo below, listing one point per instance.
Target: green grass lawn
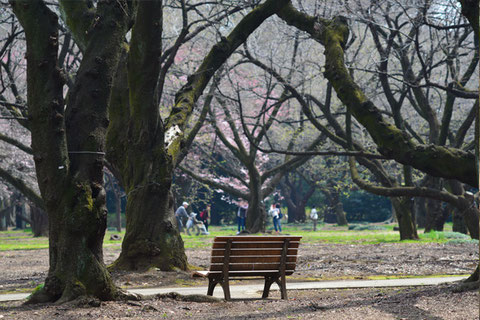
(23, 239)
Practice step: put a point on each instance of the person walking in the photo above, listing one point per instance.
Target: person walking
(277, 217)
(314, 217)
(241, 216)
(204, 215)
(180, 214)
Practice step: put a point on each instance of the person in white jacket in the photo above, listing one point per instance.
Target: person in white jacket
(314, 217)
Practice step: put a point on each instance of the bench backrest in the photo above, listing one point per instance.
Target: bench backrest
(254, 255)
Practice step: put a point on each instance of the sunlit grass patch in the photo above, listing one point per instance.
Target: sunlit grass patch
(24, 240)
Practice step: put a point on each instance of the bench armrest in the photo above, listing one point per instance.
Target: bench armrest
(201, 273)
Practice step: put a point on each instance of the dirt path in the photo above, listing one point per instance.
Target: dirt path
(24, 270)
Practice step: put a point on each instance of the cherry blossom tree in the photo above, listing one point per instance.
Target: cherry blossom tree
(242, 171)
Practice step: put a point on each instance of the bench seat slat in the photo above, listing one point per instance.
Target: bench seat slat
(235, 274)
(241, 245)
(257, 238)
(251, 273)
(251, 266)
(254, 259)
(253, 252)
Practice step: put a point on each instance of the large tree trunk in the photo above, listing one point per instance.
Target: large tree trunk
(151, 238)
(76, 237)
(434, 216)
(300, 214)
(458, 221)
(39, 222)
(335, 204)
(434, 219)
(406, 221)
(155, 147)
(341, 217)
(71, 176)
(466, 208)
(146, 171)
(295, 197)
(420, 211)
(471, 218)
(256, 214)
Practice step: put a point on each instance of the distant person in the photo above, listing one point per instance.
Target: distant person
(241, 216)
(180, 214)
(314, 217)
(204, 215)
(272, 211)
(195, 224)
(277, 218)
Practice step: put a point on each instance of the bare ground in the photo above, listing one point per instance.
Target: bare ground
(24, 270)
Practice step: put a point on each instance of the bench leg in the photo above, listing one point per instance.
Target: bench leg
(268, 284)
(211, 286)
(226, 289)
(282, 284)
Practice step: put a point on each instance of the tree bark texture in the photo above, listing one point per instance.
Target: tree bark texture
(256, 213)
(457, 220)
(335, 204)
(406, 223)
(148, 151)
(39, 222)
(296, 197)
(420, 212)
(145, 168)
(70, 174)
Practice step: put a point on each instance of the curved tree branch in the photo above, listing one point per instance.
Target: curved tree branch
(21, 186)
(229, 189)
(392, 142)
(196, 83)
(16, 143)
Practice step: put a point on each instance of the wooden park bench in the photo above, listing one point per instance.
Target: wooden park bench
(250, 257)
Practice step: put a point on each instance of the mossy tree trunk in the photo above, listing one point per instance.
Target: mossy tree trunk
(144, 149)
(39, 221)
(406, 222)
(68, 147)
(143, 166)
(434, 218)
(256, 213)
(296, 196)
(420, 212)
(335, 204)
(466, 208)
(458, 223)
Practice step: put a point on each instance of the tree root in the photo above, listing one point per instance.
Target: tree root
(474, 276)
(77, 297)
(39, 296)
(466, 286)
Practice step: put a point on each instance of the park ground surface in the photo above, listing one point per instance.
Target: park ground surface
(332, 253)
